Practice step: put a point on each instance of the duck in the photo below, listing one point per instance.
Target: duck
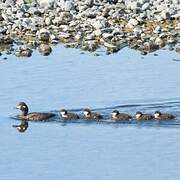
(163, 116)
(117, 116)
(141, 116)
(68, 115)
(89, 115)
(34, 116)
(21, 127)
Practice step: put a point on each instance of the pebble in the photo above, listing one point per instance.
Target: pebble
(23, 52)
(145, 6)
(45, 49)
(43, 35)
(133, 22)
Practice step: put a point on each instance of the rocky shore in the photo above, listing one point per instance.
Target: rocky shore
(145, 25)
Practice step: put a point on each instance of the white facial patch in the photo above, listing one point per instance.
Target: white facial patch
(18, 107)
(156, 115)
(138, 116)
(63, 114)
(24, 107)
(114, 114)
(86, 113)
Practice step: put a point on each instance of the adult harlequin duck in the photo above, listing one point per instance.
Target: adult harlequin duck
(163, 116)
(22, 127)
(68, 115)
(117, 116)
(89, 115)
(34, 116)
(140, 116)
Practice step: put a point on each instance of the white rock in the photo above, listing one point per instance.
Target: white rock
(133, 22)
(46, 3)
(107, 35)
(48, 21)
(145, 6)
(99, 24)
(98, 32)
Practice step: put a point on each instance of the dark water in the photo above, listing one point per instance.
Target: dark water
(126, 81)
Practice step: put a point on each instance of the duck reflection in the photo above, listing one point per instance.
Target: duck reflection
(21, 127)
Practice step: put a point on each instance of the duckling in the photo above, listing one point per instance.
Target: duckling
(68, 115)
(141, 116)
(34, 116)
(117, 116)
(89, 115)
(163, 116)
(22, 127)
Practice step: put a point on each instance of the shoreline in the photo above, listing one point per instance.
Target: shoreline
(88, 25)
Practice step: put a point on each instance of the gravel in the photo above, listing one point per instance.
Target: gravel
(145, 25)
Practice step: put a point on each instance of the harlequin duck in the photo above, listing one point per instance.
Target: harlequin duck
(68, 115)
(117, 116)
(22, 127)
(34, 116)
(163, 116)
(89, 115)
(140, 116)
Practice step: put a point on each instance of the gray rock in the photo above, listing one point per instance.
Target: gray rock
(145, 6)
(89, 2)
(10, 2)
(69, 5)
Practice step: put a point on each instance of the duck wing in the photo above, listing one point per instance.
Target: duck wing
(35, 116)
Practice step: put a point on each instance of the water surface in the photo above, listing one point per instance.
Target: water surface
(126, 81)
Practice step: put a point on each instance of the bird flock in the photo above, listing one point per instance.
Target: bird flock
(116, 116)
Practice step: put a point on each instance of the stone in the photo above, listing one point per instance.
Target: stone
(157, 30)
(43, 35)
(48, 21)
(99, 24)
(68, 6)
(89, 3)
(23, 52)
(133, 22)
(145, 6)
(178, 49)
(46, 3)
(159, 41)
(44, 49)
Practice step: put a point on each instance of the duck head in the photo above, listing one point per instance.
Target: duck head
(115, 113)
(138, 114)
(22, 106)
(157, 114)
(87, 112)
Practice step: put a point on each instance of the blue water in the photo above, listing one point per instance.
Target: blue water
(126, 81)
